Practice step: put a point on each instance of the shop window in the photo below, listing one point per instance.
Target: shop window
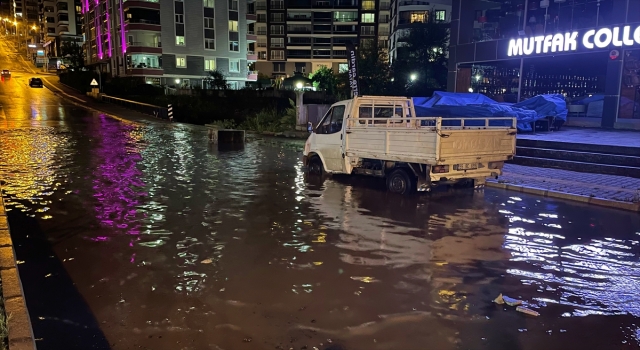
(633, 12)
(484, 20)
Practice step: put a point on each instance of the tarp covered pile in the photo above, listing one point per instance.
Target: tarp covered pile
(471, 105)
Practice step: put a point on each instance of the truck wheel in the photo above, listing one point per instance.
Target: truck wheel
(315, 166)
(399, 181)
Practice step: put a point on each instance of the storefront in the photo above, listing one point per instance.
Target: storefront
(586, 50)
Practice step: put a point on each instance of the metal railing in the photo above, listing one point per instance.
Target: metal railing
(152, 110)
(142, 21)
(144, 44)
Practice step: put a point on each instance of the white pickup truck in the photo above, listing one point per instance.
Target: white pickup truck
(382, 136)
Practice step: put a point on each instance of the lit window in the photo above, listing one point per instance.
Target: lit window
(368, 18)
(368, 5)
(233, 26)
(419, 17)
(210, 65)
(209, 3)
(234, 46)
(441, 15)
(234, 66)
(210, 44)
(179, 41)
(343, 67)
(181, 62)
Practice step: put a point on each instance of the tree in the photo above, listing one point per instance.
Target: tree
(73, 52)
(324, 79)
(373, 69)
(421, 64)
(215, 81)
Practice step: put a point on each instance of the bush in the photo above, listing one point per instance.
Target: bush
(272, 121)
(79, 80)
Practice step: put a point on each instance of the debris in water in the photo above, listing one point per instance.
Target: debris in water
(222, 290)
(206, 261)
(501, 299)
(524, 310)
(247, 340)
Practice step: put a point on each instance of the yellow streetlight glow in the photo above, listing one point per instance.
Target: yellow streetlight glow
(34, 27)
(15, 23)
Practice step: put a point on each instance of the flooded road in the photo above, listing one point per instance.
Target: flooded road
(147, 237)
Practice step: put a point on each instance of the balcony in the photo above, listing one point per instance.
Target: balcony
(144, 47)
(251, 18)
(252, 75)
(252, 56)
(414, 3)
(146, 71)
(155, 5)
(143, 24)
(252, 37)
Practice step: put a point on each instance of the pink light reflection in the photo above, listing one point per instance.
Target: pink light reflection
(116, 182)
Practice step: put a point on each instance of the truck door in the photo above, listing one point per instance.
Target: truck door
(329, 139)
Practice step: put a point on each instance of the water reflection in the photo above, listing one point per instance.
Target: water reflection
(599, 276)
(32, 166)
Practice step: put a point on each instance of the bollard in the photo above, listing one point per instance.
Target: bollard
(170, 112)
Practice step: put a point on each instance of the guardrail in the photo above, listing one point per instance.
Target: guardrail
(145, 108)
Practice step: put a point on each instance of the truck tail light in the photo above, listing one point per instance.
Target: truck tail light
(439, 169)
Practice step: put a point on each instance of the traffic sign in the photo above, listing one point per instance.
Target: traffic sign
(94, 83)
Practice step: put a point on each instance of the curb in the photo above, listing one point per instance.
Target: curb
(19, 324)
(628, 206)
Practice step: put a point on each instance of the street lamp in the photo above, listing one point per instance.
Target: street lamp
(470, 89)
(413, 77)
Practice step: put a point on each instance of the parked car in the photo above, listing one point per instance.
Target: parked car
(6, 73)
(36, 82)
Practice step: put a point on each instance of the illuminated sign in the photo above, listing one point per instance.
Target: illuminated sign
(568, 42)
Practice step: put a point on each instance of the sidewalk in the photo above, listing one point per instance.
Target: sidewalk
(76, 97)
(598, 189)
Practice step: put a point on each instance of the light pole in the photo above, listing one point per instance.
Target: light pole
(299, 100)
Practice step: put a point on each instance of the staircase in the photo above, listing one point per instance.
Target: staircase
(599, 159)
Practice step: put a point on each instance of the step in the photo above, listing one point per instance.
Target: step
(578, 166)
(579, 147)
(585, 157)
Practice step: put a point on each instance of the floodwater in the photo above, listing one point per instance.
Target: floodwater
(147, 237)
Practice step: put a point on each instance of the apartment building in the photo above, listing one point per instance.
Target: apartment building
(60, 21)
(406, 13)
(165, 42)
(303, 35)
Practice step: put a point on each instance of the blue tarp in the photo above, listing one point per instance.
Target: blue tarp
(471, 105)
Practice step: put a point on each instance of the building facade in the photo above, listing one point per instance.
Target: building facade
(168, 43)
(586, 50)
(303, 35)
(405, 13)
(60, 21)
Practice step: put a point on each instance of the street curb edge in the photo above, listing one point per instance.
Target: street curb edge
(17, 316)
(628, 206)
